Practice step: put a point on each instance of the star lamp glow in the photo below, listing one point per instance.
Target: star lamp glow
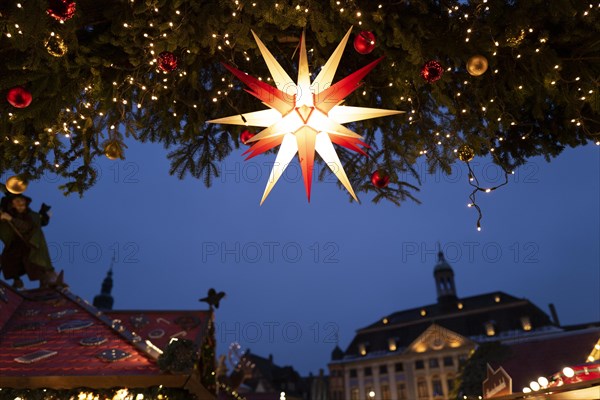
(304, 117)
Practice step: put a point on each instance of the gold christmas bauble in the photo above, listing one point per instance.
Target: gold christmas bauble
(112, 151)
(56, 46)
(16, 185)
(477, 65)
(465, 153)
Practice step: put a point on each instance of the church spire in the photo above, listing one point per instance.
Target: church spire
(104, 300)
(444, 280)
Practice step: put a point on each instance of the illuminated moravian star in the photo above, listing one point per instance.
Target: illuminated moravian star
(304, 117)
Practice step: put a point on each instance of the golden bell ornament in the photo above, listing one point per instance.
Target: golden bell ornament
(16, 185)
(477, 65)
(112, 151)
(56, 46)
(465, 153)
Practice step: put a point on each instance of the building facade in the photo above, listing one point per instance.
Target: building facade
(417, 353)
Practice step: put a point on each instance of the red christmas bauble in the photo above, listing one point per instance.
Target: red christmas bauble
(61, 10)
(380, 179)
(19, 97)
(432, 71)
(364, 42)
(167, 61)
(245, 136)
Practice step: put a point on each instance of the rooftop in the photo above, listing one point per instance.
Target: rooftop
(52, 338)
(468, 317)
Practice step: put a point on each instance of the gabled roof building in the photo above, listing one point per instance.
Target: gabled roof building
(417, 353)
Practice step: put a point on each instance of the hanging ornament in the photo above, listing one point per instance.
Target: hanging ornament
(16, 185)
(61, 10)
(364, 42)
(465, 153)
(113, 150)
(245, 136)
(380, 179)
(432, 71)
(307, 122)
(477, 65)
(19, 97)
(167, 61)
(55, 45)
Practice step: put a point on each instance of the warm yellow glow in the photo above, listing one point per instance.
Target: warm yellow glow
(153, 347)
(122, 394)
(595, 354)
(315, 116)
(420, 348)
(362, 349)
(497, 299)
(460, 306)
(526, 323)
(392, 344)
(423, 313)
(385, 321)
(489, 329)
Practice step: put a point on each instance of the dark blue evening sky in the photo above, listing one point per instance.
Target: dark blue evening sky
(297, 273)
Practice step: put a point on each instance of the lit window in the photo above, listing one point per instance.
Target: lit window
(489, 329)
(401, 389)
(497, 299)
(385, 321)
(392, 344)
(422, 391)
(362, 349)
(385, 392)
(526, 323)
(460, 306)
(423, 313)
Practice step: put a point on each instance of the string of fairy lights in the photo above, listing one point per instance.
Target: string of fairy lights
(149, 82)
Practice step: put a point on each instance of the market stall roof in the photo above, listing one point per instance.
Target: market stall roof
(52, 338)
(545, 355)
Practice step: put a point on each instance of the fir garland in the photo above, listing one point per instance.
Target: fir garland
(539, 95)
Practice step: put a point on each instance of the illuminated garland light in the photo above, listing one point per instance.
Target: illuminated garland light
(520, 43)
(154, 393)
(307, 120)
(474, 182)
